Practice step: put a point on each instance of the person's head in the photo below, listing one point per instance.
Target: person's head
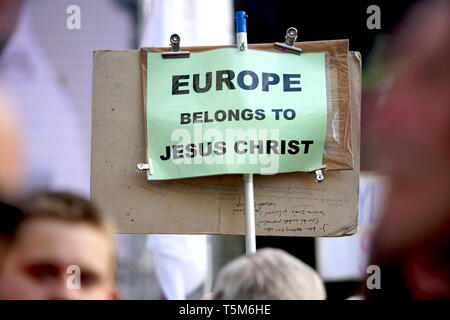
(61, 249)
(412, 125)
(268, 274)
(11, 217)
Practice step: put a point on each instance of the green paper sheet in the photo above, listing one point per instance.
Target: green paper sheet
(227, 111)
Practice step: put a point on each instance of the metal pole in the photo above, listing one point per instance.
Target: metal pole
(250, 235)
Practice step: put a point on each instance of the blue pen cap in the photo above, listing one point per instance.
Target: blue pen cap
(241, 24)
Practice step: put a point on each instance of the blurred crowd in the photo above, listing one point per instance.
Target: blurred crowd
(56, 244)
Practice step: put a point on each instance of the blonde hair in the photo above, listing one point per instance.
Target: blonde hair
(269, 274)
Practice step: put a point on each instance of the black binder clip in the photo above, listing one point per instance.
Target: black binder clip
(176, 52)
(291, 36)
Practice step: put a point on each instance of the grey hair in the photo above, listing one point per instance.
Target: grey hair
(269, 274)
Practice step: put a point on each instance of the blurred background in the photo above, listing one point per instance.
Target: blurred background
(45, 93)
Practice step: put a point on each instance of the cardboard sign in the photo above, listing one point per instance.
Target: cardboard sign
(228, 111)
(291, 204)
